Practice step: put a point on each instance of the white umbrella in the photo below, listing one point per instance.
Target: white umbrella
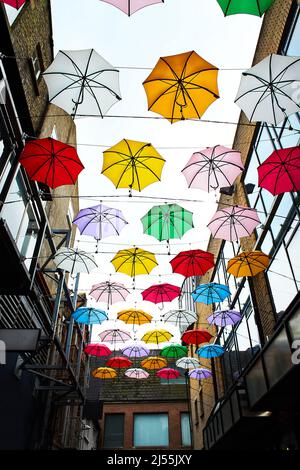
(82, 82)
(267, 91)
(187, 363)
(181, 318)
(74, 261)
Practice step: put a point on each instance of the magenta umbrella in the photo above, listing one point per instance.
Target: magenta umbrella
(14, 3)
(168, 373)
(160, 293)
(131, 6)
(212, 168)
(109, 292)
(233, 223)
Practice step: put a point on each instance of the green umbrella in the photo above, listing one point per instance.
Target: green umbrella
(175, 351)
(251, 7)
(167, 221)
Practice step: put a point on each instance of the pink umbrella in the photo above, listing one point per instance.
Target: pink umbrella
(136, 373)
(168, 373)
(212, 168)
(131, 6)
(114, 335)
(233, 223)
(160, 293)
(109, 292)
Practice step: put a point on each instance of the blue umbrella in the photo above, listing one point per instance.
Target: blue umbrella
(210, 350)
(89, 315)
(211, 293)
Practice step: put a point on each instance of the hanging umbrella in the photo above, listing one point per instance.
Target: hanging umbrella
(14, 3)
(252, 7)
(135, 351)
(154, 363)
(212, 168)
(51, 162)
(211, 293)
(232, 223)
(82, 83)
(187, 363)
(114, 336)
(131, 6)
(109, 292)
(181, 86)
(248, 263)
(104, 373)
(100, 221)
(132, 164)
(224, 317)
(168, 373)
(267, 90)
(181, 318)
(280, 172)
(161, 293)
(74, 261)
(119, 362)
(210, 350)
(167, 221)
(134, 317)
(200, 373)
(134, 261)
(136, 373)
(175, 351)
(196, 336)
(192, 263)
(97, 349)
(157, 336)
(89, 315)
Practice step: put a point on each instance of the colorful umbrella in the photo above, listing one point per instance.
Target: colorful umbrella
(136, 373)
(192, 263)
(248, 263)
(109, 292)
(224, 317)
(119, 362)
(131, 164)
(181, 318)
(200, 373)
(161, 293)
(267, 90)
(280, 172)
(97, 349)
(114, 335)
(104, 373)
(212, 168)
(157, 336)
(154, 363)
(167, 221)
(134, 317)
(181, 86)
(168, 373)
(196, 336)
(131, 6)
(89, 316)
(82, 83)
(14, 3)
(187, 363)
(232, 223)
(134, 261)
(250, 7)
(175, 351)
(135, 351)
(211, 293)
(51, 162)
(100, 221)
(210, 350)
(74, 261)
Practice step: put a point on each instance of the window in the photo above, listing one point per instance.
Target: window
(37, 66)
(196, 410)
(114, 431)
(151, 430)
(185, 429)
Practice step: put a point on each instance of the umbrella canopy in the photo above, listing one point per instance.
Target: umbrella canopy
(267, 90)
(160, 293)
(196, 336)
(109, 292)
(74, 261)
(134, 317)
(82, 83)
(248, 263)
(181, 318)
(175, 351)
(100, 221)
(211, 293)
(200, 373)
(154, 363)
(89, 315)
(224, 317)
(51, 162)
(280, 172)
(167, 221)
(134, 261)
(187, 363)
(97, 349)
(232, 223)
(135, 351)
(157, 336)
(104, 373)
(233, 7)
(192, 263)
(14, 3)
(181, 86)
(132, 164)
(136, 373)
(131, 6)
(210, 350)
(114, 335)
(168, 373)
(119, 362)
(212, 168)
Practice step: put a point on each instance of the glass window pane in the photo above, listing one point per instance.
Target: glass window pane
(14, 208)
(293, 251)
(294, 44)
(151, 430)
(185, 429)
(114, 431)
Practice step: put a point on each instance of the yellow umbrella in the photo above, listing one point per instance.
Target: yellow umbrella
(104, 373)
(134, 261)
(154, 363)
(134, 317)
(248, 263)
(131, 164)
(181, 86)
(157, 336)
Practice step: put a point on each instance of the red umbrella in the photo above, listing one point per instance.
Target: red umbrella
(160, 293)
(192, 262)
(196, 337)
(14, 3)
(97, 349)
(168, 373)
(119, 362)
(51, 162)
(280, 172)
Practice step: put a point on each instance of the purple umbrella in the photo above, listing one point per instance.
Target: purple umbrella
(200, 373)
(109, 292)
(114, 335)
(137, 373)
(135, 351)
(212, 168)
(224, 317)
(100, 221)
(131, 6)
(233, 223)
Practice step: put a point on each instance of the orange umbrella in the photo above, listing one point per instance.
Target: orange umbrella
(134, 317)
(104, 373)
(248, 263)
(154, 363)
